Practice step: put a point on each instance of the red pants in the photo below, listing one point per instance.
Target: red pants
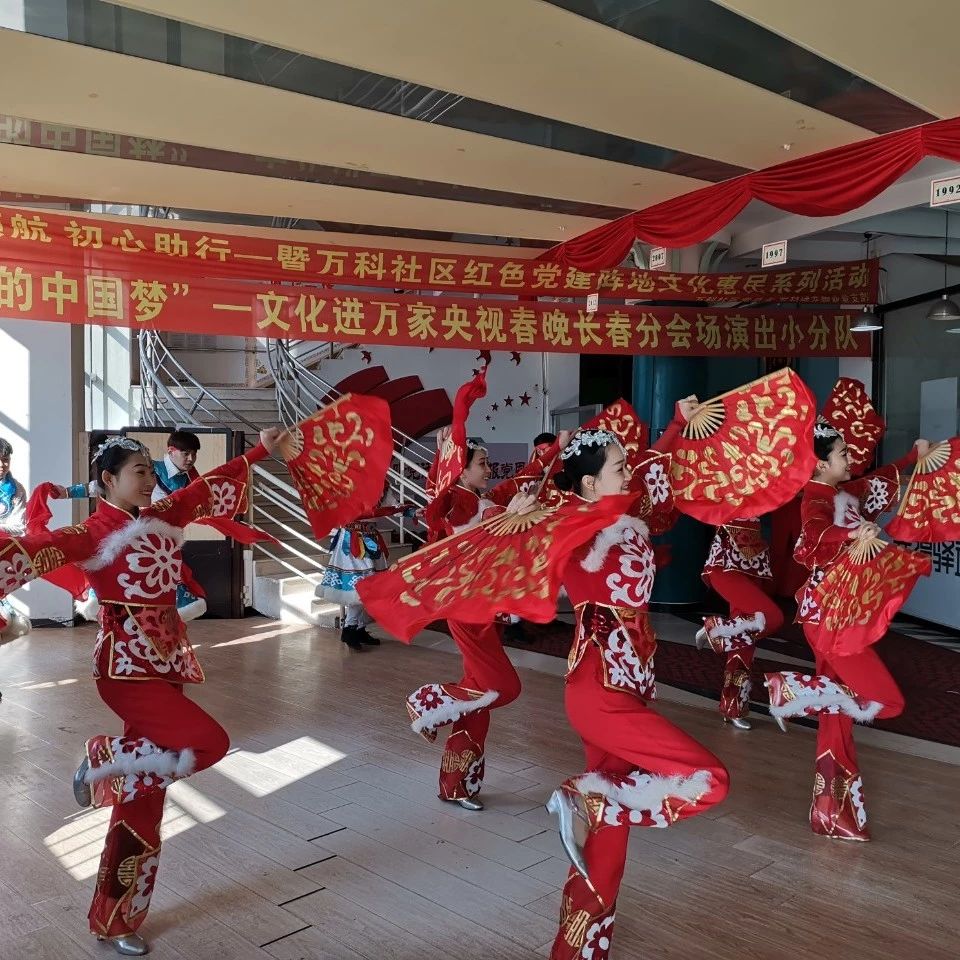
(865, 674)
(160, 712)
(621, 735)
(486, 667)
(746, 597)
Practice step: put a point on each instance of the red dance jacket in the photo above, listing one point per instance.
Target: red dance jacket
(134, 565)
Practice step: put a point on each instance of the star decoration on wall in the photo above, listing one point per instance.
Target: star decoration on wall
(476, 371)
(486, 356)
(494, 407)
(366, 356)
(525, 399)
(515, 357)
(508, 401)
(488, 418)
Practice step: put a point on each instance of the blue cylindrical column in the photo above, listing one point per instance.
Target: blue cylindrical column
(658, 382)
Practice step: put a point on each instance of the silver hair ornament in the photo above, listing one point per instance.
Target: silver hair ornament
(589, 438)
(125, 443)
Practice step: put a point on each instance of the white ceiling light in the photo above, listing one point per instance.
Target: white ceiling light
(867, 322)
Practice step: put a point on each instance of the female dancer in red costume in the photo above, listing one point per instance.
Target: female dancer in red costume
(641, 769)
(858, 687)
(130, 552)
(738, 568)
(489, 679)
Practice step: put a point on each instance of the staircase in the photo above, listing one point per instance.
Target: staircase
(285, 574)
(282, 576)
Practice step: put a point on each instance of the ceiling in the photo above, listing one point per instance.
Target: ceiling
(504, 121)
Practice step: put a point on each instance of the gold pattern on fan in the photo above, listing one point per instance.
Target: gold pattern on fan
(705, 421)
(853, 597)
(461, 567)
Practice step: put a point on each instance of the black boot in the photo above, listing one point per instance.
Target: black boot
(365, 637)
(350, 636)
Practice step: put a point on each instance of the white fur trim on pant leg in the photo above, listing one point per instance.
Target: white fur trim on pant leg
(847, 705)
(89, 609)
(186, 763)
(451, 712)
(163, 763)
(190, 611)
(647, 791)
(739, 625)
(608, 538)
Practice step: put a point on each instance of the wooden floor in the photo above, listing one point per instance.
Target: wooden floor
(320, 835)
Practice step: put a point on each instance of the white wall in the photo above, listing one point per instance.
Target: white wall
(110, 399)
(225, 365)
(448, 369)
(40, 416)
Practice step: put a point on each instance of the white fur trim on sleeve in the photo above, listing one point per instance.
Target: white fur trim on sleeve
(843, 502)
(112, 545)
(609, 537)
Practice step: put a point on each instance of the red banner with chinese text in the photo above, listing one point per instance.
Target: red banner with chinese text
(158, 301)
(73, 242)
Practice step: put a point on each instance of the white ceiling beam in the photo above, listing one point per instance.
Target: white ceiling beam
(66, 83)
(112, 180)
(539, 58)
(908, 47)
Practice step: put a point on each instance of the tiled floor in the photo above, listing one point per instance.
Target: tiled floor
(320, 835)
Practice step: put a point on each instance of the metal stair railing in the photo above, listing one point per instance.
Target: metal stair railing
(160, 407)
(301, 392)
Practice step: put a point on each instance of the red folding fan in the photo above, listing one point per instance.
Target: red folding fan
(338, 460)
(862, 593)
(930, 509)
(747, 451)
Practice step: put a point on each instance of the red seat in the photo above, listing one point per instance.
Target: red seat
(363, 381)
(422, 413)
(394, 390)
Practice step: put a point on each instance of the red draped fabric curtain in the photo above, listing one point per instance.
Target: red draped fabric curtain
(821, 185)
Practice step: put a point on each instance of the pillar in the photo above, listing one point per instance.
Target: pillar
(41, 414)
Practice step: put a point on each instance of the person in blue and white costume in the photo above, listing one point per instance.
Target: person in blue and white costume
(174, 472)
(13, 503)
(357, 550)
